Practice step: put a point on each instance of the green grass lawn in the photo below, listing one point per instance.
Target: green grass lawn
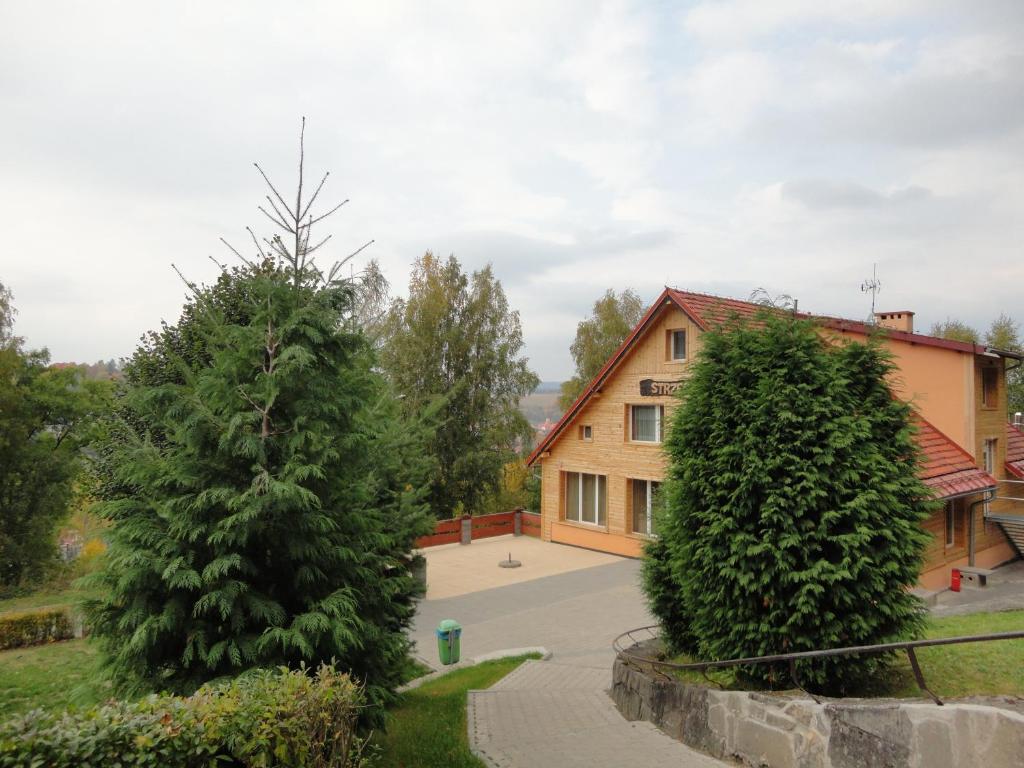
(428, 727)
(53, 676)
(47, 598)
(971, 669)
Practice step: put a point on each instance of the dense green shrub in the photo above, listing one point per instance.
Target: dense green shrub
(264, 718)
(46, 625)
(793, 509)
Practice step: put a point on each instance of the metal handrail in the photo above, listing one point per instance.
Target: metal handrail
(653, 631)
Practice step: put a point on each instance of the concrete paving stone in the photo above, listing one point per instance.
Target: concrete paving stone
(559, 715)
(449, 564)
(1005, 592)
(575, 615)
(556, 712)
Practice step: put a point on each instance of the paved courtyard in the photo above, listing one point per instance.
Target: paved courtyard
(1005, 592)
(454, 569)
(553, 713)
(574, 602)
(575, 614)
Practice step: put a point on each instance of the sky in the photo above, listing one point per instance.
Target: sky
(720, 147)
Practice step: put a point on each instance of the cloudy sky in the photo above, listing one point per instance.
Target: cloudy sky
(717, 146)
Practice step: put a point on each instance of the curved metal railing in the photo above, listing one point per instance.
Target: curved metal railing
(653, 631)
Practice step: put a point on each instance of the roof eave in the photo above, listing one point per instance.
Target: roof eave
(598, 380)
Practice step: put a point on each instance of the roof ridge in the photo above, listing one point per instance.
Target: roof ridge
(820, 316)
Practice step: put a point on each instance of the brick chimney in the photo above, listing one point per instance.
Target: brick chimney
(897, 321)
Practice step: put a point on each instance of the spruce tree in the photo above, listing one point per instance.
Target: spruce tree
(792, 508)
(264, 495)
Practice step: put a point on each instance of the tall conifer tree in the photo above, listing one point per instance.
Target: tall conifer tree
(793, 505)
(264, 497)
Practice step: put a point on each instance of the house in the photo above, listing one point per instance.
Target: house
(602, 461)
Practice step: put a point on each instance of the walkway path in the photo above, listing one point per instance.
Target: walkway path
(555, 713)
(551, 715)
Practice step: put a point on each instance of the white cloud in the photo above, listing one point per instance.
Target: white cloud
(576, 145)
(737, 21)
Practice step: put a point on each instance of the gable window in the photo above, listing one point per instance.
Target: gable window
(677, 345)
(642, 496)
(989, 387)
(586, 498)
(586, 432)
(646, 423)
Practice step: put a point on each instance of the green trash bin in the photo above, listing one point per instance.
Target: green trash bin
(449, 633)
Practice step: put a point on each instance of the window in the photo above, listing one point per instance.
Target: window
(586, 432)
(677, 345)
(643, 493)
(950, 524)
(586, 498)
(988, 462)
(990, 387)
(645, 423)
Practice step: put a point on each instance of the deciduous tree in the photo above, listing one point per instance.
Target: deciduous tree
(455, 344)
(46, 417)
(1004, 334)
(955, 330)
(597, 338)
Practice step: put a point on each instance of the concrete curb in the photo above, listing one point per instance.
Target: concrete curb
(545, 654)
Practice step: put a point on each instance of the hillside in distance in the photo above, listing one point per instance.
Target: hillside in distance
(542, 404)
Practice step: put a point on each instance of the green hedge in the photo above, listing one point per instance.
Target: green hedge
(264, 718)
(46, 625)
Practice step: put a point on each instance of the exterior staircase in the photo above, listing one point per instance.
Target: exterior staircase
(1013, 527)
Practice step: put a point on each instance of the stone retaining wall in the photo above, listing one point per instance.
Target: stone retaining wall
(781, 731)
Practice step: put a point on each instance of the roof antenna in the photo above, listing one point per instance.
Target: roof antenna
(872, 286)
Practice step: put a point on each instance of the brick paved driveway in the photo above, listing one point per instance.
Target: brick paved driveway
(556, 713)
(575, 615)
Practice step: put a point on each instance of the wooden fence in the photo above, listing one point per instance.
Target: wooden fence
(466, 529)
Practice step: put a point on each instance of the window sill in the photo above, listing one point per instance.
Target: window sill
(586, 526)
(645, 442)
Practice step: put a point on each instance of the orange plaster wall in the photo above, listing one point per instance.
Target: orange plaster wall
(939, 383)
(599, 539)
(938, 578)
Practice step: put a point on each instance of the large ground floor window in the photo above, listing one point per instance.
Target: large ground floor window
(586, 498)
(642, 494)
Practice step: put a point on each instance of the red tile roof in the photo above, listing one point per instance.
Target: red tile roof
(1014, 451)
(708, 310)
(947, 468)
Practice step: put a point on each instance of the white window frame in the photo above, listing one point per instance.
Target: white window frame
(988, 460)
(586, 433)
(672, 345)
(659, 418)
(597, 498)
(650, 507)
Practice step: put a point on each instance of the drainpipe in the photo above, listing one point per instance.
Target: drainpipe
(989, 496)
